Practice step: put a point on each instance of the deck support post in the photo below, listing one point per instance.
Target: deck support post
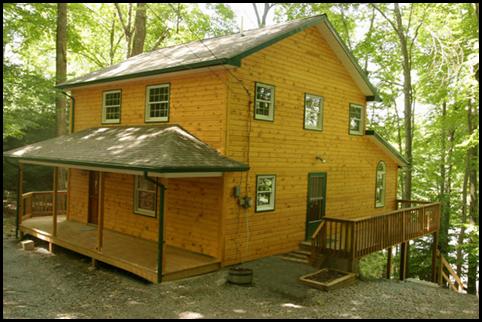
(161, 247)
(19, 200)
(51, 247)
(100, 214)
(54, 201)
(403, 260)
(434, 256)
(389, 262)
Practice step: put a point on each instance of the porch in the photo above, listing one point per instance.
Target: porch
(135, 255)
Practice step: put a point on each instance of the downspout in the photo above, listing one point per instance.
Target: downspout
(160, 237)
(72, 109)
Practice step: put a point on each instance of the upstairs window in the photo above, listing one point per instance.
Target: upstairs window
(157, 103)
(380, 185)
(265, 192)
(313, 112)
(356, 119)
(264, 102)
(144, 197)
(111, 107)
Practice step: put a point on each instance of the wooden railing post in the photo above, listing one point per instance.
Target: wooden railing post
(54, 201)
(100, 214)
(389, 262)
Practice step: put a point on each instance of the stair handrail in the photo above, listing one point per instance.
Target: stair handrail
(317, 231)
(444, 263)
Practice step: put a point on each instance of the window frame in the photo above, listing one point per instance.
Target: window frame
(320, 113)
(381, 204)
(147, 109)
(269, 118)
(142, 211)
(362, 119)
(104, 94)
(271, 206)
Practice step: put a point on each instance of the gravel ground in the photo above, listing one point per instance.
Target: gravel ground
(37, 284)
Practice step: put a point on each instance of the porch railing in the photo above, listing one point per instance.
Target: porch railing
(357, 237)
(39, 203)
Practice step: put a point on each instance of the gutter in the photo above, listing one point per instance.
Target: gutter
(160, 237)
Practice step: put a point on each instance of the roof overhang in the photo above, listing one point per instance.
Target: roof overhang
(387, 147)
(165, 151)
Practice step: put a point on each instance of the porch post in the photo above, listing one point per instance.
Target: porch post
(161, 262)
(389, 262)
(19, 199)
(403, 260)
(100, 214)
(54, 201)
(434, 256)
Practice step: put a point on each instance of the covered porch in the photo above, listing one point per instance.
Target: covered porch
(157, 245)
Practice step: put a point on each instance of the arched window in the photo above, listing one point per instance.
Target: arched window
(380, 185)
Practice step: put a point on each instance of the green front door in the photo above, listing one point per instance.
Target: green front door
(315, 208)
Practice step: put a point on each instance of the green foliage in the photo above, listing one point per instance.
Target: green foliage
(373, 266)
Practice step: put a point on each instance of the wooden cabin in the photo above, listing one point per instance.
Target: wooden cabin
(220, 151)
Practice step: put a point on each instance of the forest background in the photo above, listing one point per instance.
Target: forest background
(422, 57)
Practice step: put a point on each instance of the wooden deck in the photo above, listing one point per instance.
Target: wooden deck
(359, 236)
(132, 254)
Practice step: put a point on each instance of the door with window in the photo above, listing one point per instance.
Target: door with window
(315, 209)
(93, 196)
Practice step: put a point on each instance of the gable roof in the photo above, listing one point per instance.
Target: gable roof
(387, 147)
(224, 50)
(159, 148)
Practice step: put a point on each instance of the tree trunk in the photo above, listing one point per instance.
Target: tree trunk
(473, 204)
(407, 95)
(140, 30)
(443, 198)
(262, 20)
(61, 66)
(60, 77)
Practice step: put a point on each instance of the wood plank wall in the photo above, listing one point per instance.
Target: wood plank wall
(303, 63)
(192, 218)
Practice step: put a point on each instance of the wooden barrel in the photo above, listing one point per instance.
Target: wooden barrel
(241, 276)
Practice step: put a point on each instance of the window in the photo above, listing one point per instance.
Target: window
(265, 192)
(111, 107)
(356, 119)
(144, 197)
(380, 185)
(264, 102)
(157, 103)
(313, 112)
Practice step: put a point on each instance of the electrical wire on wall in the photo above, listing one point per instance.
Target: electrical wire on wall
(249, 128)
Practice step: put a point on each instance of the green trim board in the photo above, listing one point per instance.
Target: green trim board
(389, 148)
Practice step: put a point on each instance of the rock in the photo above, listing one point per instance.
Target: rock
(28, 245)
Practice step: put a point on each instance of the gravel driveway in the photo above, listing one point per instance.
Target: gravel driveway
(37, 284)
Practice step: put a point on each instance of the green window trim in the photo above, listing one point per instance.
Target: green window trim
(264, 104)
(380, 184)
(149, 103)
(308, 115)
(143, 211)
(105, 120)
(359, 118)
(265, 190)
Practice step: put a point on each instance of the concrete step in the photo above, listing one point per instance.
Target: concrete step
(302, 252)
(297, 260)
(305, 245)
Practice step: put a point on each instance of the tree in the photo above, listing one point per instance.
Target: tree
(61, 66)
(135, 33)
(261, 19)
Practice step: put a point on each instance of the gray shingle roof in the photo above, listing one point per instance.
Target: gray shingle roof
(208, 52)
(161, 148)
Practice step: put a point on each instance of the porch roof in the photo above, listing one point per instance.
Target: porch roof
(160, 148)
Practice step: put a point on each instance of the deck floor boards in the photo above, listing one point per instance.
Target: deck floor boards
(140, 252)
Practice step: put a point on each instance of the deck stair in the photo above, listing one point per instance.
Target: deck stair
(298, 256)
